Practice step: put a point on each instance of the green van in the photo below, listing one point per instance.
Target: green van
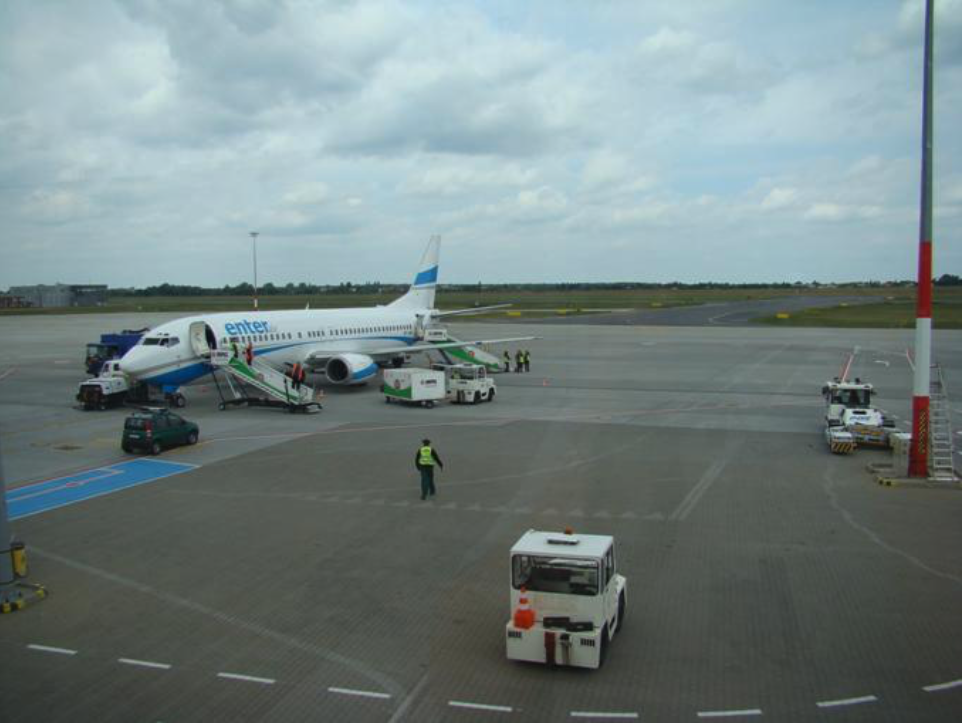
(151, 430)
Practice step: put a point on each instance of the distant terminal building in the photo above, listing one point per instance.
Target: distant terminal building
(56, 295)
(9, 301)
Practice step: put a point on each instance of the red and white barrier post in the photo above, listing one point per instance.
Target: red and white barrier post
(919, 453)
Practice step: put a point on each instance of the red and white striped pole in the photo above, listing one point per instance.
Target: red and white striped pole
(919, 453)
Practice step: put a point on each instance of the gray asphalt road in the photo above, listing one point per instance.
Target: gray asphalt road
(295, 574)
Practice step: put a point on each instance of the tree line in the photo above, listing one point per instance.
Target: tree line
(376, 287)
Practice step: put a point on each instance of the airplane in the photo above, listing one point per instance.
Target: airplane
(347, 345)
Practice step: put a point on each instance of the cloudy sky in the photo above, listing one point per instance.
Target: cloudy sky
(728, 140)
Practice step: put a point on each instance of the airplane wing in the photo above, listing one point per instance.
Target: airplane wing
(316, 358)
(449, 345)
(467, 312)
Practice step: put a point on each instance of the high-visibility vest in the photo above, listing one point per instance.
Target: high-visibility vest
(426, 457)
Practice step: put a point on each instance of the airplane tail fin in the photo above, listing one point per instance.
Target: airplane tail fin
(421, 293)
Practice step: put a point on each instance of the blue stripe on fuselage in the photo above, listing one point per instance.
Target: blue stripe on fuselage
(187, 374)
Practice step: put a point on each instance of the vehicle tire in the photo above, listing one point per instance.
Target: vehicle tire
(603, 653)
(490, 395)
(179, 401)
(621, 611)
(155, 448)
(222, 406)
(192, 439)
(126, 448)
(476, 398)
(429, 404)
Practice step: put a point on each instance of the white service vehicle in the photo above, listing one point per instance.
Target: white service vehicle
(567, 598)
(414, 386)
(850, 418)
(107, 390)
(467, 383)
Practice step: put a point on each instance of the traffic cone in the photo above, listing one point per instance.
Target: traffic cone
(524, 615)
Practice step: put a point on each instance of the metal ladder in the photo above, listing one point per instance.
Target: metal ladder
(941, 462)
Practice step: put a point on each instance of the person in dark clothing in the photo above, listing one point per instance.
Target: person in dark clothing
(249, 354)
(302, 376)
(296, 376)
(507, 360)
(425, 459)
(527, 360)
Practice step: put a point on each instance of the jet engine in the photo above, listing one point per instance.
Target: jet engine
(350, 369)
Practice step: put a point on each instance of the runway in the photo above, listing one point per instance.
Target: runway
(288, 570)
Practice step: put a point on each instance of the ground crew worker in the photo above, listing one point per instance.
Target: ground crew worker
(249, 353)
(296, 376)
(527, 360)
(234, 349)
(425, 459)
(518, 361)
(302, 376)
(507, 360)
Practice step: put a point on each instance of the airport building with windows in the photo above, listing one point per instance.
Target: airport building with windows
(59, 295)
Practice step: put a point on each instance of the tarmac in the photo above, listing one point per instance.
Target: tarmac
(286, 569)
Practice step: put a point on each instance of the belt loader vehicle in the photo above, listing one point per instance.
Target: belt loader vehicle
(850, 418)
(567, 598)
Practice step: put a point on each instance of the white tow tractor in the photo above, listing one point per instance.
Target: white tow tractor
(850, 418)
(107, 390)
(467, 383)
(567, 599)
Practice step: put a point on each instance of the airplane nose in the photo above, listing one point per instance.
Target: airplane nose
(131, 363)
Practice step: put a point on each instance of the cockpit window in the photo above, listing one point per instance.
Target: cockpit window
(161, 341)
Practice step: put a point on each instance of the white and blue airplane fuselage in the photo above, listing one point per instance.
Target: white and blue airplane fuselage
(348, 345)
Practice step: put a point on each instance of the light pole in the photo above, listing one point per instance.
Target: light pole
(254, 235)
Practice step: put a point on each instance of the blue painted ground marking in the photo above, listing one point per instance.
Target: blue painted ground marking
(36, 498)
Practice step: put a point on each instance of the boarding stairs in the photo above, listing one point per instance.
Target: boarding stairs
(941, 460)
(263, 377)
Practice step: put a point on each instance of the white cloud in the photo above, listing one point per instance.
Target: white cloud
(779, 198)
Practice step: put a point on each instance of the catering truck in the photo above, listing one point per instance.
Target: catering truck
(567, 598)
(414, 386)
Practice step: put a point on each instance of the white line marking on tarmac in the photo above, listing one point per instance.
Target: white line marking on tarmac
(729, 713)
(600, 714)
(49, 649)
(943, 686)
(144, 663)
(247, 678)
(481, 706)
(846, 701)
(361, 693)
(691, 499)
(908, 355)
(6, 374)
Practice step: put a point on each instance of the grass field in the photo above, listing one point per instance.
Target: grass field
(897, 311)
